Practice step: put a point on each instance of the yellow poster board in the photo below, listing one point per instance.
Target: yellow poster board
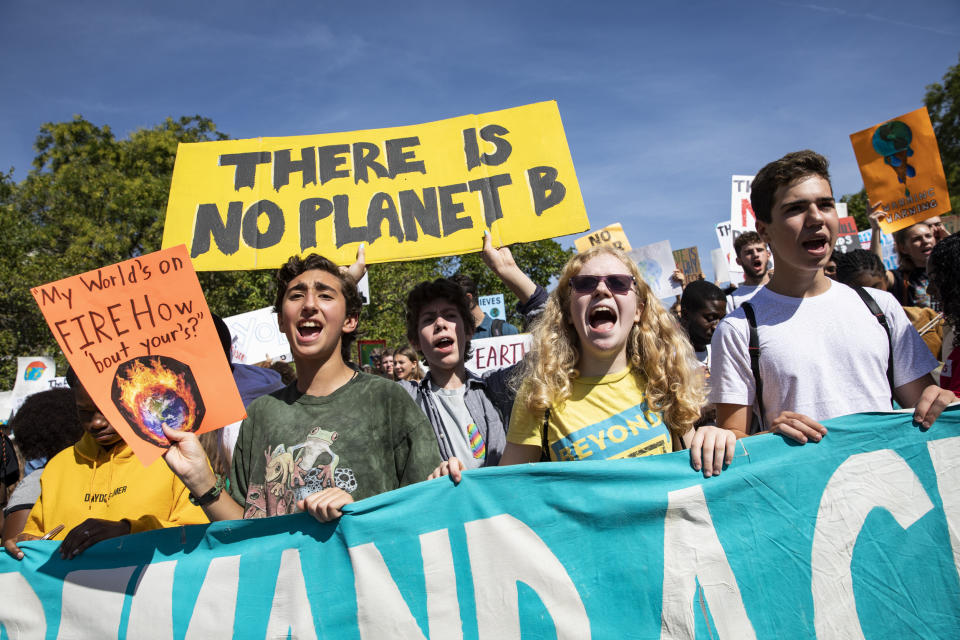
(900, 163)
(612, 234)
(406, 192)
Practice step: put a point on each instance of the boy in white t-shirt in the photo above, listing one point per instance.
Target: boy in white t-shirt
(822, 352)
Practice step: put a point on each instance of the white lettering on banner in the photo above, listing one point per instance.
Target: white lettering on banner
(216, 605)
(381, 610)
(21, 612)
(290, 615)
(504, 551)
(862, 483)
(945, 455)
(92, 602)
(692, 550)
(151, 612)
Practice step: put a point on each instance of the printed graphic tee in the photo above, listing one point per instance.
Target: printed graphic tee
(606, 418)
(461, 431)
(367, 437)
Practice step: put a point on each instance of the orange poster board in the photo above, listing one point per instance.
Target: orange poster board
(140, 338)
(900, 164)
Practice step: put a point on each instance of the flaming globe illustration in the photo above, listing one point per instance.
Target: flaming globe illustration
(156, 390)
(892, 141)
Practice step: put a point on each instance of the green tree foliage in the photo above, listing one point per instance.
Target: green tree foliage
(857, 208)
(943, 103)
(91, 200)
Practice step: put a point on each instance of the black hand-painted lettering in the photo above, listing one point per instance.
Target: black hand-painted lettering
(398, 159)
(312, 211)
(246, 166)
(546, 190)
(275, 225)
(329, 158)
(283, 166)
(365, 157)
(489, 189)
(424, 213)
(209, 223)
(449, 209)
(382, 208)
(345, 234)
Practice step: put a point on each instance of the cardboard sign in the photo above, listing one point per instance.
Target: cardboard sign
(139, 336)
(407, 192)
(857, 531)
(742, 217)
(848, 238)
(725, 240)
(365, 349)
(490, 354)
(364, 288)
(889, 256)
(493, 306)
(900, 164)
(612, 234)
(688, 261)
(721, 272)
(656, 265)
(256, 337)
(6, 406)
(33, 375)
(951, 223)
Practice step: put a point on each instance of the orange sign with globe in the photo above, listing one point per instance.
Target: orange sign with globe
(900, 163)
(140, 338)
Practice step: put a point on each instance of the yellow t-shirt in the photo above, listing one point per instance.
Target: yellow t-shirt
(605, 418)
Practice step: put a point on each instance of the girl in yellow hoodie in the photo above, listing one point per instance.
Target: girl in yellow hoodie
(97, 489)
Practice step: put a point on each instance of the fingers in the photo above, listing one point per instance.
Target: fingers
(931, 404)
(359, 267)
(712, 449)
(10, 545)
(325, 505)
(90, 532)
(451, 467)
(798, 427)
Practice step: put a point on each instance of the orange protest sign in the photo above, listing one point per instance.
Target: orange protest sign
(140, 338)
(900, 164)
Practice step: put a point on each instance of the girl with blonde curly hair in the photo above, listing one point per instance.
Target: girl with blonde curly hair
(610, 374)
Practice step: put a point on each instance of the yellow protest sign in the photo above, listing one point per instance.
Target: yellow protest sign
(612, 234)
(407, 192)
(900, 164)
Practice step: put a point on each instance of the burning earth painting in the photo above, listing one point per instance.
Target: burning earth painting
(155, 390)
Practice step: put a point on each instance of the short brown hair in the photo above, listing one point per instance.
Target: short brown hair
(745, 238)
(440, 289)
(297, 266)
(782, 172)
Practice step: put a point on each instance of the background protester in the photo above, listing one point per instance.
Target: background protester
(943, 269)
(604, 353)
(861, 268)
(97, 489)
(484, 325)
(913, 244)
(702, 306)
(754, 257)
(830, 269)
(406, 365)
(44, 425)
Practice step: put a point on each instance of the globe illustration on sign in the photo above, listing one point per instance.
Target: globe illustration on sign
(34, 370)
(157, 391)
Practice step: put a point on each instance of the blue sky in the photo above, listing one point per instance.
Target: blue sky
(661, 102)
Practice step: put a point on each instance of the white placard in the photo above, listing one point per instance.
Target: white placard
(656, 265)
(256, 337)
(34, 374)
(720, 271)
(493, 306)
(364, 288)
(490, 354)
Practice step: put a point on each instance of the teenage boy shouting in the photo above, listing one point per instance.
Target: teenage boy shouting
(822, 352)
(468, 413)
(334, 436)
(754, 257)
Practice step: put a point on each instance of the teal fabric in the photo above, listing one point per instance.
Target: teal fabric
(603, 523)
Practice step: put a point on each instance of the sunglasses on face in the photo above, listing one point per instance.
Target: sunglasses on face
(618, 283)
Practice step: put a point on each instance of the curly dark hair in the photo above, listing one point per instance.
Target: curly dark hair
(853, 263)
(782, 172)
(46, 424)
(440, 289)
(943, 269)
(296, 266)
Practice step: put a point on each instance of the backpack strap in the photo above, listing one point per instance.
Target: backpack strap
(496, 328)
(544, 445)
(754, 349)
(882, 319)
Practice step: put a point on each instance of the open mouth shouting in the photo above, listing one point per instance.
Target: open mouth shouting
(817, 246)
(308, 330)
(602, 319)
(443, 344)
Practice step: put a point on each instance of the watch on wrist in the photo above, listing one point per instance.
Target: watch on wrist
(209, 496)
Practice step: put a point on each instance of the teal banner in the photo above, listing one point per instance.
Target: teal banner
(855, 537)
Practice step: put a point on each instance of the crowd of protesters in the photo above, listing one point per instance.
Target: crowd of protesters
(611, 374)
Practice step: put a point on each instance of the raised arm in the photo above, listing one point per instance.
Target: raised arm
(501, 262)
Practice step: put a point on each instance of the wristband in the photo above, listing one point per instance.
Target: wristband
(209, 496)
